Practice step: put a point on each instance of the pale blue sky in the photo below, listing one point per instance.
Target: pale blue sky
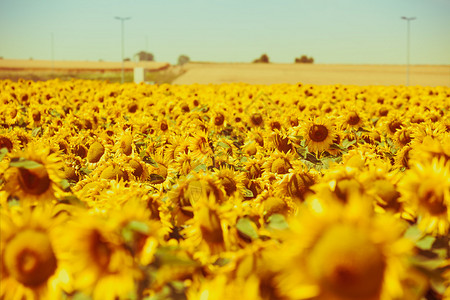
(331, 31)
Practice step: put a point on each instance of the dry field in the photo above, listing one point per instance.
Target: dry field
(42, 65)
(205, 73)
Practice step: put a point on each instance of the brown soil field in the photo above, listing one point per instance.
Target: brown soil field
(48, 65)
(322, 74)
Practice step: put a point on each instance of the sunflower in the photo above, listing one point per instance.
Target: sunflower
(124, 143)
(402, 137)
(429, 129)
(141, 234)
(281, 141)
(9, 141)
(392, 123)
(31, 270)
(297, 183)
(211, 230)
(232, 181)
(98, 258)
(34, 175)
(199, 144)
(431, 148)
(353, 120)
(345, 253)
(318, 134)
(402, 157)
(426, 187)
(278, 163)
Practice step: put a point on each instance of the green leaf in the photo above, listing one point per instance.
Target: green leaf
(346, 143)
(337, 147)
(247, 228)
(248, 193)
(150, 161)
(3, 152)
(55, 113)
(65, 184)
(72, 200)
(224, 145)
(36, 131)
(156, 178)
(222, 261)
(277, 221)
(413, 233)
(24, 163)
(311, 158)
(426, 242)
(167, 256)
(199, 168)
(85, 171)
(138, 226)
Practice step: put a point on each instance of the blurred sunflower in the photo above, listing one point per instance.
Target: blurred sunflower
(231, 180)
(426, 187)
(209, 233)
(344, 253)
(9, 141)
(34, 175)
(98, 258)
(297, 183)
(30, 262)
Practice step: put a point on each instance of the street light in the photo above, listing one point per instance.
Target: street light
(407, 48)
(122, 21)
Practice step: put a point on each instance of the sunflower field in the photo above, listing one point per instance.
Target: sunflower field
(232, 191)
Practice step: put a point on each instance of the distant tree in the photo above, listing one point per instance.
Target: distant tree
(127, 59)
(263, 59)
(183, 59)
(304, 60)
(145, 56)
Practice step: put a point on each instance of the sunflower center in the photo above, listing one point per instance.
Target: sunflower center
(219, 119)
(388, 194)
(318, 133)
(256, 119)
(6, 143)
(433, 202)
(394, 126)
(229, 185)
(353, 118)
(404, 138)
(34, 181)
(30, 264)
(347, 264)
(99, 250)
(211, 227)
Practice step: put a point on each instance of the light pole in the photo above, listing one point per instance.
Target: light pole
(407, 47)
(122, 21)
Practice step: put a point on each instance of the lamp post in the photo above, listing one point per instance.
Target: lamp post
(407, 47)
(122, 21)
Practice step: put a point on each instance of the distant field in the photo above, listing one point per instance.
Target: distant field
(159, 72)
(216, 73)
(204, 73)
(14, 65)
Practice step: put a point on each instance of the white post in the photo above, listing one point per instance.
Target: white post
(123, 43)
(407, 47)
